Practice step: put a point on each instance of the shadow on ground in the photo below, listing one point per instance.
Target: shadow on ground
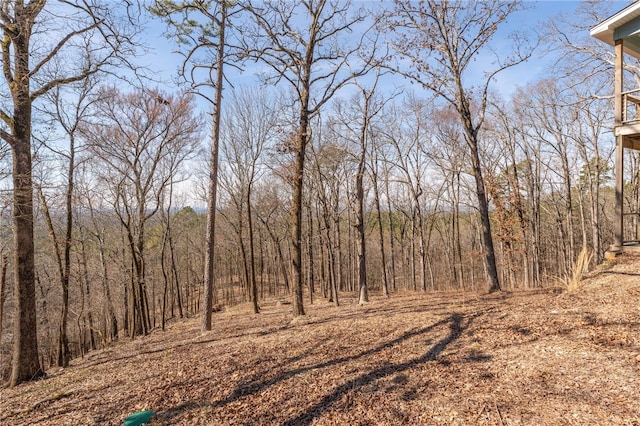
(456, 324)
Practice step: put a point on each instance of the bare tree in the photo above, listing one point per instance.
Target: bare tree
(595, 115)
(357, 120)
(407, 134)
(3, 286)
(363, 288)
(586, 69)
(374, 166)
(568, 35)
(248, 127)
(515, 207)
(201, 28)
(303, 44)
(67, 109)
(99, 231)
(37, 38)
(270, 211)
(329, 157)
(142, 138)
(450, 160)
(442, 39)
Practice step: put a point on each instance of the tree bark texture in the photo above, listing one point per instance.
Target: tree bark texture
(212, 191)
(25, 361)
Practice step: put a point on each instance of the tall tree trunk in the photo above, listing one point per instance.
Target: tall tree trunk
(324, 263)
(456, 233)
(110, 318)
(63, 354)
(595, 217)
(336, 255)
(127, 317)
(483, 206)
(414, 228)
(64, 262)
(69, 217)
(163, 268)
(212, 191)
(244, 258)
(141, 314)
(422, 250)
(3, 289)
(86, 283)
(351, 249)
(571, 255)
(311, 274)
(174, 273)
(296, 210)
(394, 286)
(363, 291)
(383, 254)
(252, 257)
(25, 361)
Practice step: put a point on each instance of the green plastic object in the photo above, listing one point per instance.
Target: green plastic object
(139, 418)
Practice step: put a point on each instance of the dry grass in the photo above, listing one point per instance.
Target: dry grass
(580, 267)
(511, 358)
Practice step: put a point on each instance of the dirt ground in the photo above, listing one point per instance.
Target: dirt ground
(513, 358)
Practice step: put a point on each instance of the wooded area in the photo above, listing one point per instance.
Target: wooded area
(379, 151)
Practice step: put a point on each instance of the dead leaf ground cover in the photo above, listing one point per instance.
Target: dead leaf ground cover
(512, 358)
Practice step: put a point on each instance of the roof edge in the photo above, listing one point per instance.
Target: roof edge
(605, 30)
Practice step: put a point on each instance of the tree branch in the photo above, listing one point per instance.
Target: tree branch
(60, 45)
(9, 138)
(61, 81)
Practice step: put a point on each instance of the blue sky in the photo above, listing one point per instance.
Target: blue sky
(165, 62)
(533, 18)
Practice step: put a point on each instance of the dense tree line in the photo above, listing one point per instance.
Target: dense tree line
(330, 177)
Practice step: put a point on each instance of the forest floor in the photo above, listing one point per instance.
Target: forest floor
(545, 357)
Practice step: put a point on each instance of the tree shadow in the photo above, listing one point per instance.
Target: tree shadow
(258, 382)
(456, 327)
(101, 356)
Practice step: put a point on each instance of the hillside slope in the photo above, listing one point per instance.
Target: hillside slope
(530, 358)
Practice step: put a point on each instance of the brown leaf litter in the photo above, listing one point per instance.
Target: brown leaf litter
(514, 358)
